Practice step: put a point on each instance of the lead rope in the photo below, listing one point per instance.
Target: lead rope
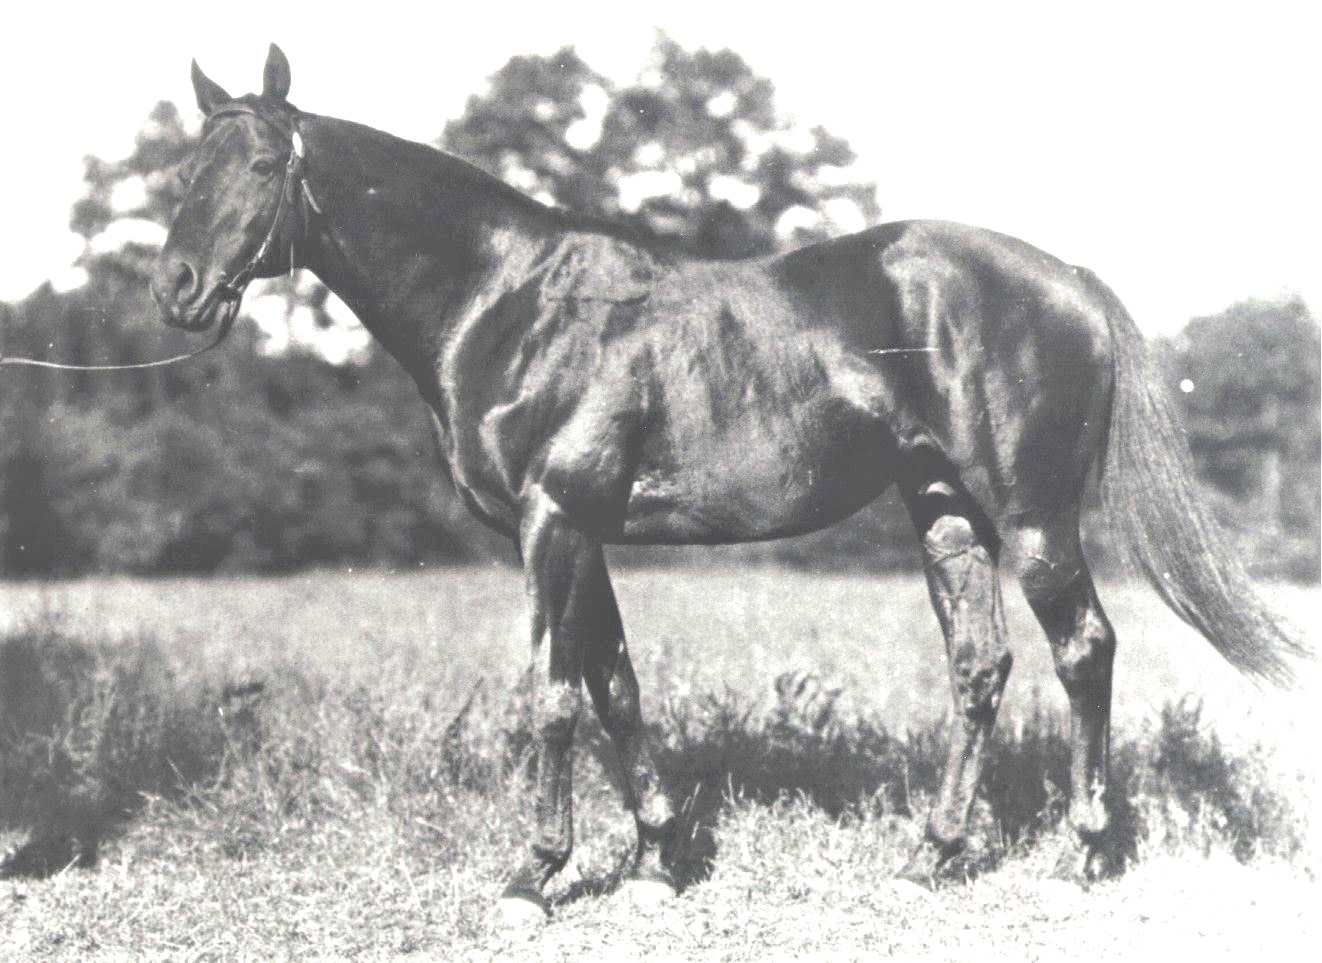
(221, 332)
(233, 286)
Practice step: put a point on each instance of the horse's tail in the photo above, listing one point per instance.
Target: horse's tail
(1149, 492)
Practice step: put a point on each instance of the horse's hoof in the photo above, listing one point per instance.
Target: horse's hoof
(1070, 869)
(923, 867)
(521, 912)
(917, 874)
(646, 893)
(1086, 863)
(45, 856)
(907, 891)
(1103, 861)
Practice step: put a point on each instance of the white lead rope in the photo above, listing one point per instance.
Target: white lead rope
(221, 332)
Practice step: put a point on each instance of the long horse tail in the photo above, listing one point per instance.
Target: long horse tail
(1150, 495)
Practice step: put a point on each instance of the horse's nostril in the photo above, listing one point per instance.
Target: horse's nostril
(186, 283)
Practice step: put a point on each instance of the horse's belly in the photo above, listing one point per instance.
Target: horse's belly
(747, 486)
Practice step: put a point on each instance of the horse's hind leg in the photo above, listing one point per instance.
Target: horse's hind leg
(1059, 588)
(611, 682)
(960, 560)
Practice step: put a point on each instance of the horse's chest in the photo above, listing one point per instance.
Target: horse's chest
(472, 470)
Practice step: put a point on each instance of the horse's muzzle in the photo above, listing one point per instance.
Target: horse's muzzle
(197, 314)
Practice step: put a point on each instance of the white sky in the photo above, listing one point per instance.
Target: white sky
(1172, 148)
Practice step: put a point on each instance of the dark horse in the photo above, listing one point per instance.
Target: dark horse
(593, 388)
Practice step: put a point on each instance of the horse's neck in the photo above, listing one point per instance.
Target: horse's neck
(410, 238)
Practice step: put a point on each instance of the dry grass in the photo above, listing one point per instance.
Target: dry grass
(338, 812)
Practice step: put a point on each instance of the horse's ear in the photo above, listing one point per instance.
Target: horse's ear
(210, 94)
(275, 78)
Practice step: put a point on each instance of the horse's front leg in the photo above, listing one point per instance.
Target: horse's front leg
(556, 559)
(613, 685)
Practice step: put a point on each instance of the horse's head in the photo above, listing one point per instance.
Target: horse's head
(241, 211)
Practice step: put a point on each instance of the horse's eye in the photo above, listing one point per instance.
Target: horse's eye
(263, 167)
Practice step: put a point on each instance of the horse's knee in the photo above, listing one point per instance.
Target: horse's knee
(949, 536)
(1059, 591)
(962, 575)
(555, 713)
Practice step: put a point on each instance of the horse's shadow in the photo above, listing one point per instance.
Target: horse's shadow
(764, 758)
(88, 735)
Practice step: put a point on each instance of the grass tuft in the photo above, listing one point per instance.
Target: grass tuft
(90, 732)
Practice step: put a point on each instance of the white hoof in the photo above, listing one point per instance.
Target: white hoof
(647, 892)
(906, 891)
(514, 913)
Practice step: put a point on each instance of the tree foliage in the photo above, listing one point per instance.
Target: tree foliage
(693, 149)
(267, 454)
(1248, 378)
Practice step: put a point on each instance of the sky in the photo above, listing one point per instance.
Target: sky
(1172, 148)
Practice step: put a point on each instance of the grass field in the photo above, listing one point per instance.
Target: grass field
(274, 768)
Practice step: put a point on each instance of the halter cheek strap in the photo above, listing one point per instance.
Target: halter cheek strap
(291, 190)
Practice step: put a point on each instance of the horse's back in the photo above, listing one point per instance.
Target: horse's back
(920, 335)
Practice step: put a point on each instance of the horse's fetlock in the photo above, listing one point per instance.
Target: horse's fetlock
(1090, 818)
(552, 858)
(624, 703)
(555, 714)
(656, 815)
(557, 731)
(948, 834)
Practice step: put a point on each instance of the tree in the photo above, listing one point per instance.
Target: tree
(1249, 380)
(694, 149)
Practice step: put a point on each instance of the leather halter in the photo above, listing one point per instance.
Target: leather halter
(293, 187)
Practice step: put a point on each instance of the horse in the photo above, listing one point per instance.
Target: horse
(590, 387)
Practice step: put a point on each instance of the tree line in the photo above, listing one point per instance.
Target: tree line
(275, 453)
